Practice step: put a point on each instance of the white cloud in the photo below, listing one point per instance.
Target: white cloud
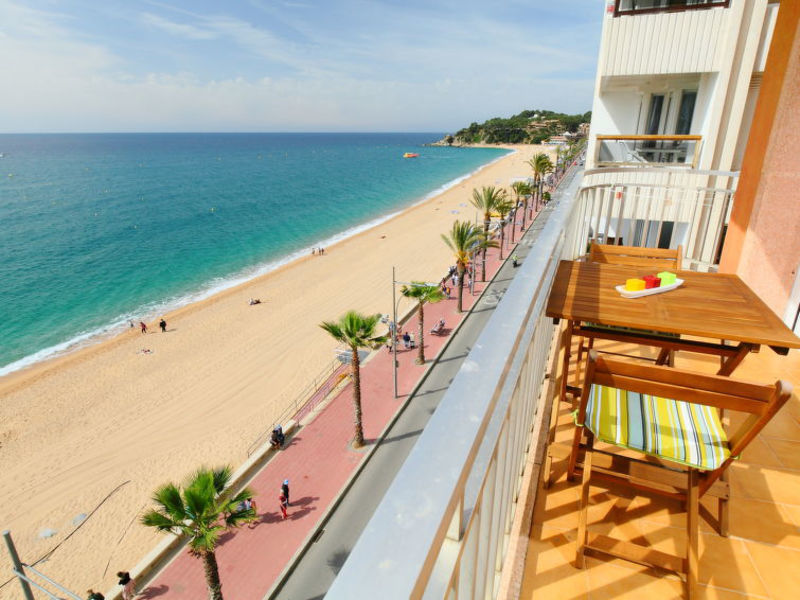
(225, 73)
(178, 29)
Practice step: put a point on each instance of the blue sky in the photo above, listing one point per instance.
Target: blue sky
(291, 65)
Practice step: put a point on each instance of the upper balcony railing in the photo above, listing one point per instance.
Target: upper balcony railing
(638, 7)
(648, 150)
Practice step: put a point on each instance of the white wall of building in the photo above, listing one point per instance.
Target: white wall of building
(719, 52)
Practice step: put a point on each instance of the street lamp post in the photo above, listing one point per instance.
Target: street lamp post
(393, 325)
(18, 568)
(393, 333)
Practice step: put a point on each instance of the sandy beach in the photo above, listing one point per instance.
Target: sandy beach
(75, 429)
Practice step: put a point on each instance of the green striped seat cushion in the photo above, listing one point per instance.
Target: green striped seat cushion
(686, 433)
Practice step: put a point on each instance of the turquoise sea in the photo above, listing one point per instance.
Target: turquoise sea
(99, 228)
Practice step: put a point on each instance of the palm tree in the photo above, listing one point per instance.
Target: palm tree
(523, 189)
(541, 165)
(482, 244)
(201, 511)
(486, 200)
(461, 240)
(503, 208)
(356, 331)
(423, 293)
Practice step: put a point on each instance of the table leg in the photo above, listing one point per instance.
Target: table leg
(733, 361)
(567, 342)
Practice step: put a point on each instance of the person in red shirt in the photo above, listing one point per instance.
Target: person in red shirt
(284, 504)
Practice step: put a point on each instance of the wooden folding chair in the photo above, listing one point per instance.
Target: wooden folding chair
(654, 259)
(668, 421)
(657, 259)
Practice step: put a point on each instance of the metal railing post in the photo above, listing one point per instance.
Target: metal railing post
(18, 568)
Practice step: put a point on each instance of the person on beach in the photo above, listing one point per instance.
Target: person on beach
(94, 595)
(163, 324)
(277, 438)
(143, 326)
(128, 585)
(322, 250)
(284, 503)
(285, 490)
(313, 251)
(131, 324)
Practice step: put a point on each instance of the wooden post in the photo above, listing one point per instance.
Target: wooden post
(583, 515)
(692, 507)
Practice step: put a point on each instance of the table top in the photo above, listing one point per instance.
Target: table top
(719, 306)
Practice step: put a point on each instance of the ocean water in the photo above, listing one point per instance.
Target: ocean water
(99, 228)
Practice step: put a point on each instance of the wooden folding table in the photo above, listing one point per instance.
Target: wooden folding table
(709, 306)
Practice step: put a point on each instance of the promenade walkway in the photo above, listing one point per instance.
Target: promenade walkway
(318, 461)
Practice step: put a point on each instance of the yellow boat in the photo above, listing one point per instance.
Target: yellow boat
(410, 155)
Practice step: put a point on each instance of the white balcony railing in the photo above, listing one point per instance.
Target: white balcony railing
(442, 529)
(648, 150)
(659, 215)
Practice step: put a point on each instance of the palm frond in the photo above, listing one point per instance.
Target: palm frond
(355, 330)
(221, 477)
(168, 496)
(153, 518)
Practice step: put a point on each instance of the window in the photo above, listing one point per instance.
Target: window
(685, 112)
(632, 7)
(654, 115)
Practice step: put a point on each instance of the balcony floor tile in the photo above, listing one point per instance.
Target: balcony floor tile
(764, 515)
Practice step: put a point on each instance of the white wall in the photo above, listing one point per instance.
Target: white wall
(690, 41)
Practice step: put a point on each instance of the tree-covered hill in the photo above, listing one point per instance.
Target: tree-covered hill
(528, 127)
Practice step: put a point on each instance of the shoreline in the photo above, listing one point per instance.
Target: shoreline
(77, 426)
(107, 334)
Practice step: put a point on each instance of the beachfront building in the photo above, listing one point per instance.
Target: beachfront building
(677, 83)
(467, 516)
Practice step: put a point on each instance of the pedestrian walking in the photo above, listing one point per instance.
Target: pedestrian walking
(143, 326)
(128, 585)
(163, 324)
(284, 504)
(285, 490)
(131, 324)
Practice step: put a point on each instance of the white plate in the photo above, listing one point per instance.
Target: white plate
(664, 288)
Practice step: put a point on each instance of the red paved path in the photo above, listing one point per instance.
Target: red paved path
(317, 461)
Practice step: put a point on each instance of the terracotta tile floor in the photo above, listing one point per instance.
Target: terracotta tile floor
(760, 559)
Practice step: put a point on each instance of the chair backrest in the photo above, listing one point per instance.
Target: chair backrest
(761, 402)
(656, 258)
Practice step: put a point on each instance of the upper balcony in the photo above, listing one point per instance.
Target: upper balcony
(648, 150)
(666, 38)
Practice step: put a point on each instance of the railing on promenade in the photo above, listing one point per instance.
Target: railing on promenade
(304, 402)
(625, 211)
(643, 150)
(442, 528)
